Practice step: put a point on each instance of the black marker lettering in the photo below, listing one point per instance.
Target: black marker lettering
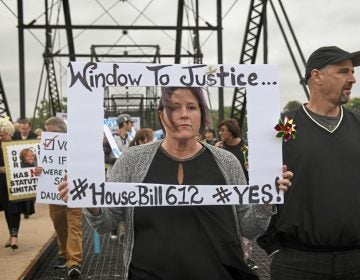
(254, 194)
(267, 194)
(241, 194)
(193, 196)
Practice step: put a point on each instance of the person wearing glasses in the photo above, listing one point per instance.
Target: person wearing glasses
(122, 139)
(229, 131)
(231, 140)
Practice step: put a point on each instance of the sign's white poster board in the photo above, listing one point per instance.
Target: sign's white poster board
(86, 176)
(53, 160)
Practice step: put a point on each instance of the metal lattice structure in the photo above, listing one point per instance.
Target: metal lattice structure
(257, 21)
(255, 26)
(4, 106)
(49, 55)
(248, 53)
(137, 102)
(54, 97)
(125, 51)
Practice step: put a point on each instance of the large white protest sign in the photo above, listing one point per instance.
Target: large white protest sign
(139, 194)
(86, 83)
(21, 158)
(53, 160)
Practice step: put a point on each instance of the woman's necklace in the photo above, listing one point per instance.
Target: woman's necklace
(233, 141)
(182, 159)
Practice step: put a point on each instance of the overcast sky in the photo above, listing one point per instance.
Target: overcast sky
(316, 23)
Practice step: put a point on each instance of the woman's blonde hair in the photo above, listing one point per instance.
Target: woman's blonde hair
(7, 126)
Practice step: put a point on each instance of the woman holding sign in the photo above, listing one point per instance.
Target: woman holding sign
(12, 210)
(193, 242)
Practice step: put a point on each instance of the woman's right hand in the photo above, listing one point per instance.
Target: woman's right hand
(63, 188)
(219, 144)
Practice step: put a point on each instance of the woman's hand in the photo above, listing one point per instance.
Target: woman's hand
(285, 182)
(63, 188)
(219, 144)
(246, 164)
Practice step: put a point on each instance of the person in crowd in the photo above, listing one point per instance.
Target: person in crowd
(122, 139)
(193, 242)
(17, 126)
(210, 136)
(229, 131)
(231, 140)
(316, 233)
(25, 132)
(67, 223)
(198, 137)
(142, 136)
(38, 132)
(27, 158)
(12, 209)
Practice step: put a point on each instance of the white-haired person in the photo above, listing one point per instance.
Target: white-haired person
(12, 209)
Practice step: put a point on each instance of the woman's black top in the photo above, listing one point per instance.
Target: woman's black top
(186, 242)
(237, 151)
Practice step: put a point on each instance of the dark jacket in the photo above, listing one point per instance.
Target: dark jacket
(321, 208)
(17, 136)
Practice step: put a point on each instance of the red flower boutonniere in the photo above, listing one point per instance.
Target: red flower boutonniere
(286, 128)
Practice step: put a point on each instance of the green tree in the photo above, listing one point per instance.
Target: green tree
(354, 104)
(43, 112)
(227, 114)
(215, 115)
(292, 106)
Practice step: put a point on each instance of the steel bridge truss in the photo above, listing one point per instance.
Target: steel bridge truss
(72, 55)
(257, 21)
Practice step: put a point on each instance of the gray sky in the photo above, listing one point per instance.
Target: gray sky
(316, 23)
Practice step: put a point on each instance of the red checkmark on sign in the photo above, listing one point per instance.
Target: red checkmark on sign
(49, 142)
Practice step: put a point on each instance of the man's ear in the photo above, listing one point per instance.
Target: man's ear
(316, 74)
(160, 114)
